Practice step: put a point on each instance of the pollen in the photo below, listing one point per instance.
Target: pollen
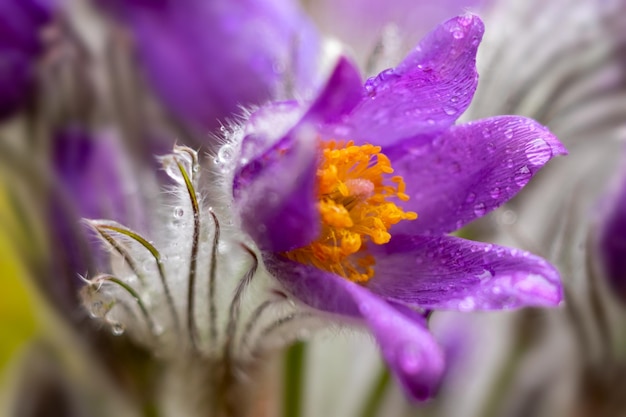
(357, 204)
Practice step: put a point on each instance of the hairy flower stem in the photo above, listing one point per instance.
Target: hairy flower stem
(212, 277)
(203, 387)
(191, 290)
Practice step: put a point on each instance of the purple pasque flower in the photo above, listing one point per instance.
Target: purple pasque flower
(207, 59)
(314, 189)
(21, 22)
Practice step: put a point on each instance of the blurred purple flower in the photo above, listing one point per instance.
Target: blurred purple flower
(612, 238)
(21, 22)
(92, 179)
(318, 199)
(207, 59)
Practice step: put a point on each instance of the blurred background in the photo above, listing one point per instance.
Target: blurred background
(91, 91)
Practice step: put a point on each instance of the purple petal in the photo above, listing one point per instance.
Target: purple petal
(92, 171)
(470, 170)
(427, 92)
(339, 96)
(17, 77)
(445, 272)
(276, 190)
(611, 243)
(407, 346)
(91, 180)
(276, 193)
(21, 22)
(266, 126)
(206, 59)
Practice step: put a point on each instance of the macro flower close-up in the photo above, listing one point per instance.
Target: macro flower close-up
(295, 208)
(351, 203)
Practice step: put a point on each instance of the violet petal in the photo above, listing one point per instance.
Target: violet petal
(91, 181)
(427, 92)
(276, 190)
(21, 22)
(90, 169)
(470, 170)
(338, 97)
(446, 272)
(275, 194)
(406, 344)
(611, 240)
(206, 59)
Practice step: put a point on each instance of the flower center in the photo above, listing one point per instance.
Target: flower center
(354, 193)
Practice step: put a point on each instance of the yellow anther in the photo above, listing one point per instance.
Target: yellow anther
(334, 214)
(354, 209)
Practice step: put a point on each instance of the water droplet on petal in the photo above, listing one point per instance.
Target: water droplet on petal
(495, 193)
(522, 176)
(458, 34)
(480, 209)
(486, 275)
(471, 197)
(467, 304)
(538, 152)
(465, 20)
(450, 111)
(508, 133)
(510, 163)
(491, 147)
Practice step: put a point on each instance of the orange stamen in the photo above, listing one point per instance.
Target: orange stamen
(354, 209)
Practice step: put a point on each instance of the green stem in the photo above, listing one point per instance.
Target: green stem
(377, 394)
(294, 381)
